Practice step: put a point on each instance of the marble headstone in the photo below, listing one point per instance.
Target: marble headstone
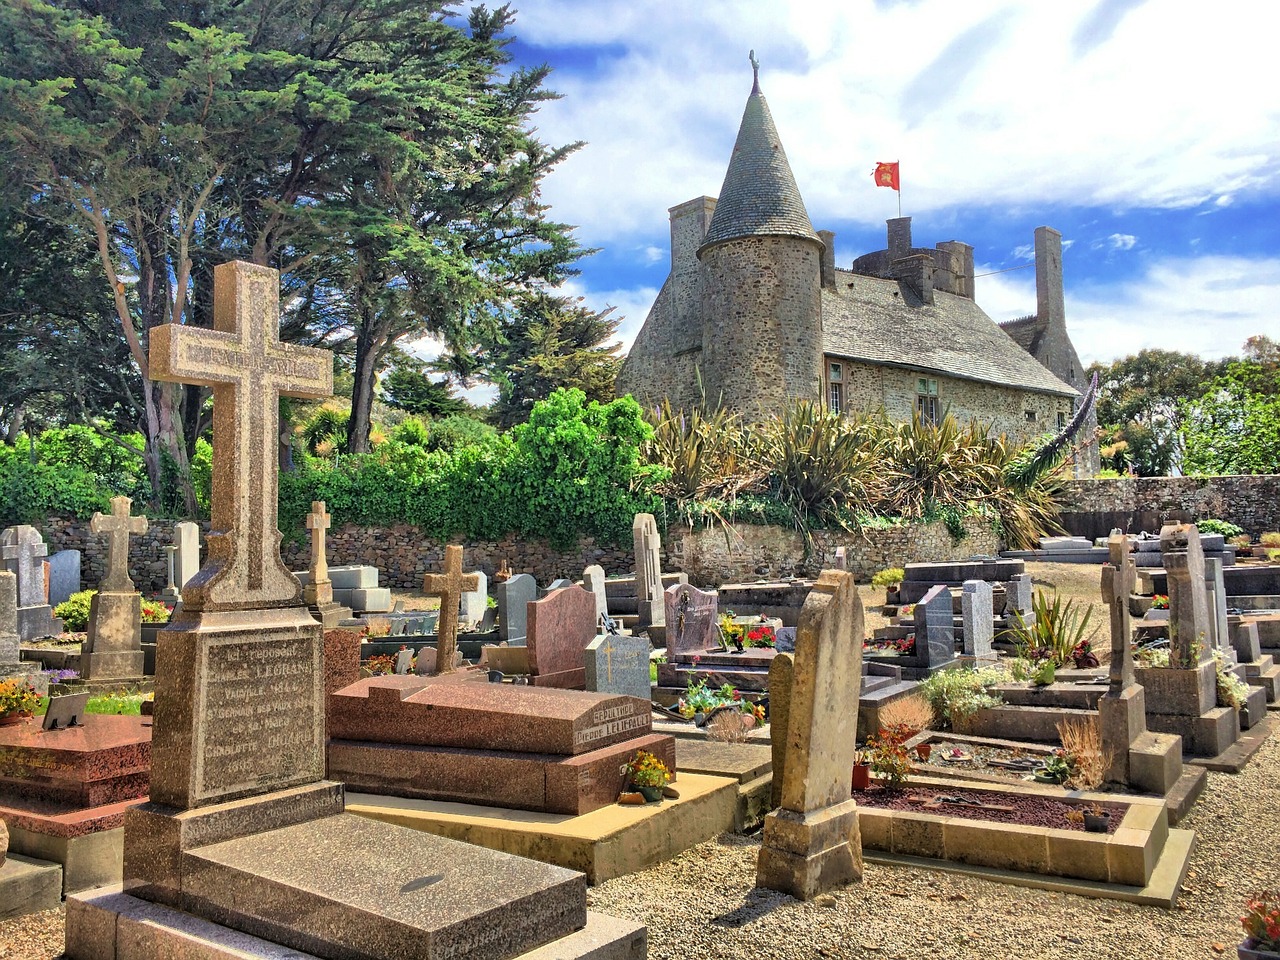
(22, 551)
(618, 664)
(978, 619)
(475, 602)
(593, 580)
(691, 619)
(64, 576)
(186, 537)
(648, 547)
(514, 595)
(561, 625)
(1018, 593)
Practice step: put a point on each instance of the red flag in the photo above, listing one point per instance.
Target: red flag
(886, 175)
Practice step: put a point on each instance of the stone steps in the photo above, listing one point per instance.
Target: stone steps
(1264, 673)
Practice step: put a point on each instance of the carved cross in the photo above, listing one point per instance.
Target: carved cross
(318, 521)
(449, 587)
(249, 369)
(1118, 580)
(21, 548)
(117, 525)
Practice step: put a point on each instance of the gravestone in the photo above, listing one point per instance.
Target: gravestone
(475, 602)
(23, 552)
(186, 537)
(978, 619)
(10, 645)
(781, 676)
(935, 627)
(841, 561)
(426, 663)
(240, 829)
(1189, 638)
(404, 661)
(64, 576)
(648, 547)
(449, 587)
(1216, 601)
(170, 590)
(318, 592)
(112, 650)
(514, 595)
(690, 616)
(593, 580)
(559, 584)
(561, 625)
(811, 843)
(1018, 593)
(618, 664)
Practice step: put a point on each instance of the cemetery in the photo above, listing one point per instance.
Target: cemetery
(303, 655)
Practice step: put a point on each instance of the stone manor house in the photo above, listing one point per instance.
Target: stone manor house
(755, 313)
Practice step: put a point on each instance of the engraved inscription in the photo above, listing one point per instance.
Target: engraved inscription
(261, 713)
(610, 721)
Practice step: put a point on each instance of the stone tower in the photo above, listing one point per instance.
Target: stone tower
(760, 267)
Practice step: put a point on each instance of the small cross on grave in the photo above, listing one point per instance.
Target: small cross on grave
(1118, 580)
(449, 587)
(117, 525)
(249, 369)
(318, 521)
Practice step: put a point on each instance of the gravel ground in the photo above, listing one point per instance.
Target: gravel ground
(701, 905)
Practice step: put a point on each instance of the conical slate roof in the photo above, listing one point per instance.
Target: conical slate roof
(759, 195)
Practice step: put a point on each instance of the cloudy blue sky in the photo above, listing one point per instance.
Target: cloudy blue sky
(1148, 133)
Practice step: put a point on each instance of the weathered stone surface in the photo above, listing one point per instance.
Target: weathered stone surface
(619, 664)
(811, 844)
(317, 591)
(430, 712)
(448, 586)
(1018, 593)
(117, 526)
(10, 646)
(781, 677)
(112, 649)
(691, 620)
(561, 625)
(593, 579)
(1216, 601)
(648, 544)
(1118, 579)
(22, 550)
(514, 596)
(1189, 638)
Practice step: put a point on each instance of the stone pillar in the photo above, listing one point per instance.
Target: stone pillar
(811, 842)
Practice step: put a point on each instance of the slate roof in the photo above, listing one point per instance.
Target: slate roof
(1027, 332)
(759, 196)
(882, 322)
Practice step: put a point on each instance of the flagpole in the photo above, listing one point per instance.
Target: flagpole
(899, 189)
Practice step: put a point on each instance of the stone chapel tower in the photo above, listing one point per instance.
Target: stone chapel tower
(759, 269)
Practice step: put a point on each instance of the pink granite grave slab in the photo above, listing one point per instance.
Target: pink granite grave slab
(106, 760)
(560, 626)
(430, 712)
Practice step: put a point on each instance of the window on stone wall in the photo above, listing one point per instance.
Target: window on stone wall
(836, 401)
(1031, 416)
(927, 399)
(1062, 420)
(836, 372)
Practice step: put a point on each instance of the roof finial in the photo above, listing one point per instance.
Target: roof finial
(755, 72)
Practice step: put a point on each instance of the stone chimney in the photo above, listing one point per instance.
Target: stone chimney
(916, 271)
(1049, 300)
(961, 266)
(828, 261)
(689, 222)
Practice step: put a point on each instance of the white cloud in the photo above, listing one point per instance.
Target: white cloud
(1117, 241)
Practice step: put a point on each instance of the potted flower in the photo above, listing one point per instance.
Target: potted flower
(1096, 819)
(18, 701)
(891, 579)
(861, 770)
(1261, 922)
(648, 775)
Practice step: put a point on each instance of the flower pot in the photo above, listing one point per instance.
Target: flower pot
(861, 776)
(1046, 778)
(923, 750)
(651, 794)
(1096, 822)
(13, 719)
(1247, 951)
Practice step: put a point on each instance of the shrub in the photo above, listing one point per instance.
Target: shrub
(1232, 691)
(912, 713)
(154, 611)
(959, 694)
(889, 760)
(459, 430)
(888, 576)
(1241, 542)
(1082, 741)
(74, 611)
(1223, 527)
(1270, 539)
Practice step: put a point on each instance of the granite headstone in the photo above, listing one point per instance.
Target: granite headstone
(619, 664)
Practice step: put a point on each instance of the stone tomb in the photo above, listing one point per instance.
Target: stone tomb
(22, 550)
(556, 751)
(241, 830)
(112, 650)
(933, 625)
(811, 842)
(561, 626)
(619, 664)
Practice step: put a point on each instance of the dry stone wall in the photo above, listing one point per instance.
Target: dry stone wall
(404, 553)
(1091, 508)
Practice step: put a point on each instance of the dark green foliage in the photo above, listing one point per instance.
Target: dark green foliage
(408, 387)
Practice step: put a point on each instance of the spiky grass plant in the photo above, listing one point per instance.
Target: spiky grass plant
(1057, 627)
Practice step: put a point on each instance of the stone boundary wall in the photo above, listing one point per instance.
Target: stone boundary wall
(1091, 508)
(404, 553)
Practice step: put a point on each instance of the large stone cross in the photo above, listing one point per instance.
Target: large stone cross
(249, 369)
(21, 548)
(117, 525)
(449, 587)
(318, 521)
(1118, 581)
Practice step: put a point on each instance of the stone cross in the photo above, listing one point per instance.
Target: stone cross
(1189, 639)
(117, 526)
(648, 547)
(318, 521)
(21, 549)
(249, 369)
(1118, 580)
(449, 587)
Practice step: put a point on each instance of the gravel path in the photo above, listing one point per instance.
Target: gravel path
(701, 905)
